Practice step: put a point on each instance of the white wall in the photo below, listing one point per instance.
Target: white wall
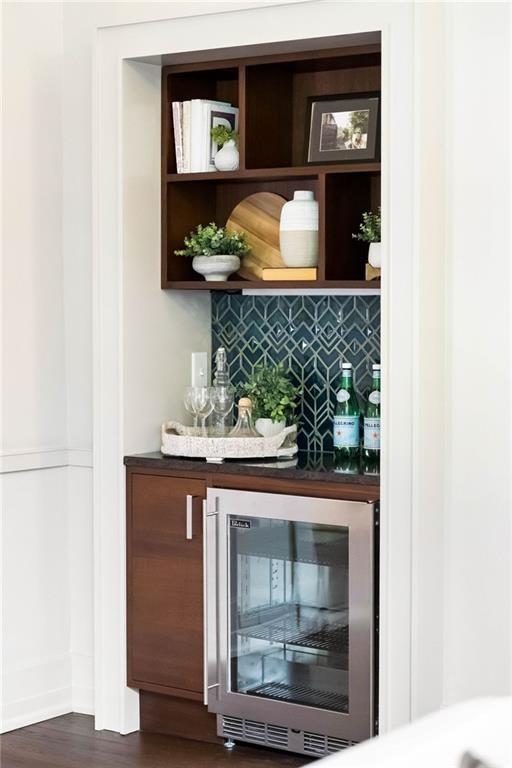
(478, 584)
(36, 663)
(36, 679)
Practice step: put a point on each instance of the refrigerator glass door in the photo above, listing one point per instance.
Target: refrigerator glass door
(289, 612)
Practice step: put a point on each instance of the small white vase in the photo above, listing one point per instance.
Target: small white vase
(227, 158)
(374, 255)
(298, 230)
(216, 268)
(269, 428)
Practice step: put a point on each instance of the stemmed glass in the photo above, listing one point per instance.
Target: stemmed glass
(223, 399)
(189, 402)
(203, 405)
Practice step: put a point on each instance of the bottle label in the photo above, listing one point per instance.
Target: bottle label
(342, 396)
(372, 433)
(346, 431)
(374, 397)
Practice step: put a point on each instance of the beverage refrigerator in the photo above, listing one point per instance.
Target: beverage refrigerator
(289, 617)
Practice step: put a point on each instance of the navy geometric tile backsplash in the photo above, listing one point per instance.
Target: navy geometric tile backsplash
(310, 335)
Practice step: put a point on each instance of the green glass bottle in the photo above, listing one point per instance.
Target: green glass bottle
(346, 423)
(371, 439)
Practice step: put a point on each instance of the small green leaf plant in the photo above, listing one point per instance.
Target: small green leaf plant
(272, 393)
(211, 240)
(221, 134)
(369, 229)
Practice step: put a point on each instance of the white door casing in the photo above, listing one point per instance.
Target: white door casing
(116, 706)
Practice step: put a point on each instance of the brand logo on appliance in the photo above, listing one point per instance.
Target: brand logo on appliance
(233, 523)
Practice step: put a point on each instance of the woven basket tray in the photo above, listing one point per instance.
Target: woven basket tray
(178, 440)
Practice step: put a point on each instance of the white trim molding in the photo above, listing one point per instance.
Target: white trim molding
(116, 706)
(51, 677)
(31, 459)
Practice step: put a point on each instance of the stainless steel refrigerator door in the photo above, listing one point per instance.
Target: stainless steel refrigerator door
(227, 513)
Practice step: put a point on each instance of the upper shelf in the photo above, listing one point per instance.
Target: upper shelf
(291, 172)
(273, 93)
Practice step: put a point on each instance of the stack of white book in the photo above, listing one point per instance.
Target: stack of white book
(193, 121)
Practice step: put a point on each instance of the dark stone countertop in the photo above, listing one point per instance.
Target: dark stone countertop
(304, 466)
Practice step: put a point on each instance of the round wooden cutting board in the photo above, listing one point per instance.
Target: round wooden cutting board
(257, 216)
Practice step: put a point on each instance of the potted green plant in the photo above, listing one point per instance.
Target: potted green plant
(227, 158)
(274, 398)
(369, 232)
(215, 252)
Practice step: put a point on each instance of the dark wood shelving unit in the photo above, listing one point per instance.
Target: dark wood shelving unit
(271, 90)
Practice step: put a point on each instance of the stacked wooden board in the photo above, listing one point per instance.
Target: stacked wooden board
(257, 217)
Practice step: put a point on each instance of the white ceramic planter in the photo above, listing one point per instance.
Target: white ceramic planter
(298, 230)
(216, 268)
(269, 428)
(374, 255)
(227, 158)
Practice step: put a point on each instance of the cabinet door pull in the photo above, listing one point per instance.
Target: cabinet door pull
(190, 503)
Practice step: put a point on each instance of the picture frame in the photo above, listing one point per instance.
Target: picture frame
(342, 129)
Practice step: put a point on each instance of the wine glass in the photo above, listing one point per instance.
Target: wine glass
(190, 403)
(223, 399)
(203, 405)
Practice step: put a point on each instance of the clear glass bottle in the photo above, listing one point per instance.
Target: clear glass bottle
(221, 378)
(244, 426)
(346, 421)
(371, 440)
(223, 396)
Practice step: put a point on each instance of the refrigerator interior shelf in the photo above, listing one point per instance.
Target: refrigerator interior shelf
(301, 694)
(292, 629)
(275, 543)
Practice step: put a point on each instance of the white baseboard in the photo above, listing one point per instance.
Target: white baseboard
(28, 696)
(47, 689)
(18, 714)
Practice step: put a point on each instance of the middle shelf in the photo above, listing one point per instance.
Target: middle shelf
(289, 172)
(343, 195)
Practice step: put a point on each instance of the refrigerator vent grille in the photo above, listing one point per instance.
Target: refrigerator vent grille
(334, 745)
(278, 737)
(317, 744)
(233, 726)
(252, 730)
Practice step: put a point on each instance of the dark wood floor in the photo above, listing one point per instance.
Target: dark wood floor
(71, 742)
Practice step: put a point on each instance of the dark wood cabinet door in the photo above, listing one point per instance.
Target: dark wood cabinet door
(165, 584)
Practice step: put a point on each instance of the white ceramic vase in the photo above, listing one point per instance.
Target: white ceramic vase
(374, 255)
(227, 158)
(269, 428)
(216, 268)
(298, 230)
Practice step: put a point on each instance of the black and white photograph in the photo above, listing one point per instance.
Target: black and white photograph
(341, 129)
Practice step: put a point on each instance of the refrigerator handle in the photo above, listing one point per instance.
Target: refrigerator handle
(210, 598)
